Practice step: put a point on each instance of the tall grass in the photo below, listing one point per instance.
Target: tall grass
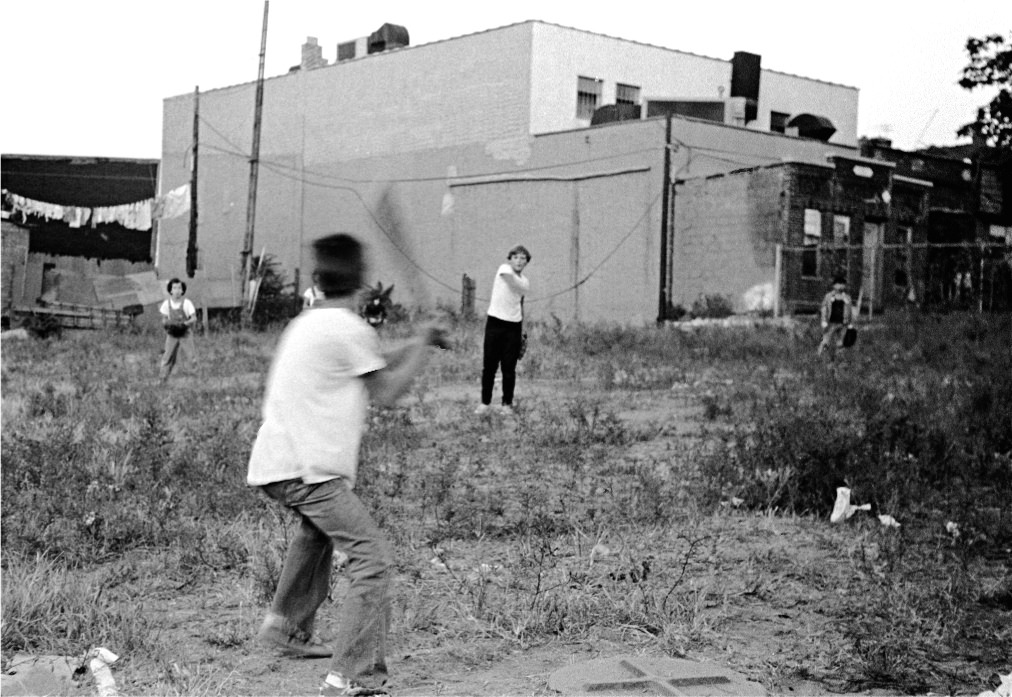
(102, 466)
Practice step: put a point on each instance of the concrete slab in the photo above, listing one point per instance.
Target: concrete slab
(40, 675)
(645, 675)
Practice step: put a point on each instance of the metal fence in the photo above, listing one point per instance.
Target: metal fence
(940, 277)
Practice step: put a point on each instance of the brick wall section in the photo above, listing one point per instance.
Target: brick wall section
(725, 234)
(726, 229)
(877, 200)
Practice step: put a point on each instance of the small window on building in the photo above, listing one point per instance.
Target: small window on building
(588, 96)
(627, 94)
(1002, 232)
(841, 229)
(778, 121)
(813, 235)
(917, 165)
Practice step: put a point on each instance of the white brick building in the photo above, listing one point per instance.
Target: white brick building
(394, 146)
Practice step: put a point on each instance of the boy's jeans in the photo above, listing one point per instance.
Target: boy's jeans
(175, 348)
(832, 338)
(333, 516)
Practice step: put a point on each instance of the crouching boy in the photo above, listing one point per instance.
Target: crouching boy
(326, 370)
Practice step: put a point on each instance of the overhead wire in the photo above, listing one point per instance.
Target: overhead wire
(299, 174)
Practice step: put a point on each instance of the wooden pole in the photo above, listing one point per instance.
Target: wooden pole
(254, 163)
(980, 284)
(778, 271)
(664, 299)
(191, 244)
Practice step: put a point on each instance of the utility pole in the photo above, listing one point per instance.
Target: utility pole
(254, 169)
(665, 290)
(191, 245)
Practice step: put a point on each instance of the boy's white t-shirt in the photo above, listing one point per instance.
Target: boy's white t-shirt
(316, 402)
(184, 303)
(505, 302)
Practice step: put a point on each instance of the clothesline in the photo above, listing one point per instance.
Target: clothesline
(133, 216)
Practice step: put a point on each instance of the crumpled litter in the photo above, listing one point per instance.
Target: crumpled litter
(99, 660)
(888, 521)
(843, 509)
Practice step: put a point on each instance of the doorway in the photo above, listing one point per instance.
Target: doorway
(871, 266)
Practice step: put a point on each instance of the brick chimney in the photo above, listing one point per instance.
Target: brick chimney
(312, 54)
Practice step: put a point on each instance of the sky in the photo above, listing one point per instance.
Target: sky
(87, 78)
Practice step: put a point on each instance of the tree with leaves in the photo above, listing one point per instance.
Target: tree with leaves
(990, 66)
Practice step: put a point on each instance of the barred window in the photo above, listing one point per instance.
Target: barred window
(841, 229)
(627, 94)
(588, 96)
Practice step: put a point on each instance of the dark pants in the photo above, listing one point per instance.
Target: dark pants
(501, 349)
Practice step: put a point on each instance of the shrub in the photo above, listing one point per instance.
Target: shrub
(712, 307)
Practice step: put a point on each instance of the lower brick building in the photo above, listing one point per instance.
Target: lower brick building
(772, 237)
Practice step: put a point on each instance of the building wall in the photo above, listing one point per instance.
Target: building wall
(470, 89)
(559, 55)
(14, 256)
(724, 240)
(397, 147)
(879, 213)
(583, 201)
(795, 95)
(727, 227)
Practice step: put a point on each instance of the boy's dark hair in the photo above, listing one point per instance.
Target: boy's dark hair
(172, 282)
(340, 264)
(520, 249)
(838, 278)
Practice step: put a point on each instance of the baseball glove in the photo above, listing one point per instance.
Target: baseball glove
(176, 330)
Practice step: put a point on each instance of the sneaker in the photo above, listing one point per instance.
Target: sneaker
(298, 645)
(507, 410)
(482, 409)
(351, 689)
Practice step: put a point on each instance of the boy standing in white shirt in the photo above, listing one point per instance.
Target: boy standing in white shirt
(178, 317)
(504, 328)
(326, 370)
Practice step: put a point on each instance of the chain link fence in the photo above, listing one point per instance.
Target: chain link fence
(939, 277)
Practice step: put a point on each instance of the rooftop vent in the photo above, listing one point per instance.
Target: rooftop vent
(387, 37)
(745, 74)
(812, 126)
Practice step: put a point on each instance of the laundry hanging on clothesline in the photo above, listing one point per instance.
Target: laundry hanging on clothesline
(173, 204)
(133, 216)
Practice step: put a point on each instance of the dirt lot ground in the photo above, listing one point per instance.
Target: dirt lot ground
(762, 592)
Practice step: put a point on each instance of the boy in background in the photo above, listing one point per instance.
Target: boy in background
(837, 313)
(178, 317)
(326, 370)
